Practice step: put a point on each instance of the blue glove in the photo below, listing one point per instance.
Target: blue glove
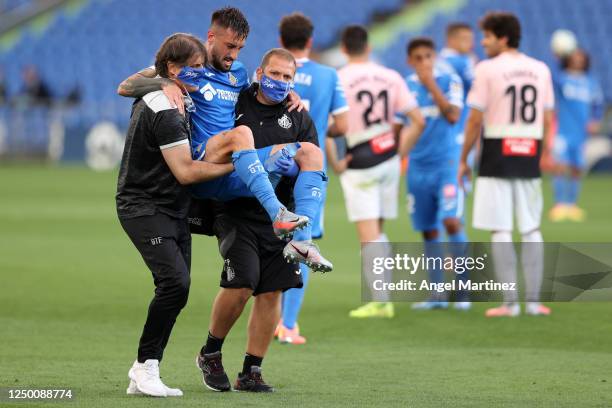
(287, 166)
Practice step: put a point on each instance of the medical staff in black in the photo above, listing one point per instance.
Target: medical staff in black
(253, 259)
(152, 205)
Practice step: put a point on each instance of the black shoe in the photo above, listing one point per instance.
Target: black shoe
(252, 382)
(213, 373)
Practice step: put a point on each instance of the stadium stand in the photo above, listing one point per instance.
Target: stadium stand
(93, 44)
(539, 19)
(8, 5)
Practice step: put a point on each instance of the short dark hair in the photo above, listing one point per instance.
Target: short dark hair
(453, 28)
(232, 18)
(503, 24)
(355, 39)
(295, 31)
(278, 52)
(419, 42)
(178, 48)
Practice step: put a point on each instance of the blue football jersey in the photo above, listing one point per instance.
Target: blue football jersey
(437, 143)
(579, 100)
(215, 101)
(321, 93)
(463, 65)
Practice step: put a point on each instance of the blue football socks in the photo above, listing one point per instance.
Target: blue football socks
(252, 173)
(292, 300)
(308, 193)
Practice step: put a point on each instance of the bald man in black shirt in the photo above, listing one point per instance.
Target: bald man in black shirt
(254, 263)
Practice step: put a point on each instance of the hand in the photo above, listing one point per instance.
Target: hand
(593, 128)
(547, 162)
(174, 93)
(294, 102)
(341, 165)
(465, 172)
(287, 166)
(425, 74)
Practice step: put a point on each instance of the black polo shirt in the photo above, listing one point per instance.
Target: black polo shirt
(146, 185)
(271, 125)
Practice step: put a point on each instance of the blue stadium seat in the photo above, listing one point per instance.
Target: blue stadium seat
(107, 40)
(589, 19)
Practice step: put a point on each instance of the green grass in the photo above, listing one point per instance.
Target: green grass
(74, 294)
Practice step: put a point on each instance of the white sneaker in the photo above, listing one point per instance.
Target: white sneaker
(146, 378)
(463, 306)
(171, 392)
(537, 309)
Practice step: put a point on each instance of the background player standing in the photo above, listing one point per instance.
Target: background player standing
(512, 95)
(321, 93)
(458, 54)
(579, 112)
(371, 181)
(434, 196)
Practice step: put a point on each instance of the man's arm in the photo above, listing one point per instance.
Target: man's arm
(450, 112)
(340, 125)
(409, 135)
(547, 137)
(471, 135)
(188, 171)
(145, 81)
(597, 110)
(141, 83)
(339, 166)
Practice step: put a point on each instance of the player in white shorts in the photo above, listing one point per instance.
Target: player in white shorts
(512, 96)
(370, 176)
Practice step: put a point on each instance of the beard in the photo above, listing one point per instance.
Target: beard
(219, 64)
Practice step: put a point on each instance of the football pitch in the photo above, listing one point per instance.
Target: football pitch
(74, 294)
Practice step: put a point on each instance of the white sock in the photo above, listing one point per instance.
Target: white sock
(504, 259)
(532, 258)
(370, 250)
(386, 252)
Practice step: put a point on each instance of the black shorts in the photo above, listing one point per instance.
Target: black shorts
(164, 243)
(253, 257)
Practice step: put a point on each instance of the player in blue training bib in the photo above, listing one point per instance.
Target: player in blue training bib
(579, 110)
(322, 94)
(435, 200)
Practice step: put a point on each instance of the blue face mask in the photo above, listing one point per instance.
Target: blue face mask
(275, 91)
(191, 76)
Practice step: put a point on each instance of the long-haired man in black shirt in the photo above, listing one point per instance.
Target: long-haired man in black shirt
(152, 205)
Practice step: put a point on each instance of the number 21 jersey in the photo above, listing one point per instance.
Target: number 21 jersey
(374, 94)
(512, 90)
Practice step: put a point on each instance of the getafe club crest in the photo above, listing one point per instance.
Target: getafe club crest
(284, 122)
(232, 79)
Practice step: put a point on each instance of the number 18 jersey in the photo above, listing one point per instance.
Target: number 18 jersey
(513, 91)
(374, 94)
